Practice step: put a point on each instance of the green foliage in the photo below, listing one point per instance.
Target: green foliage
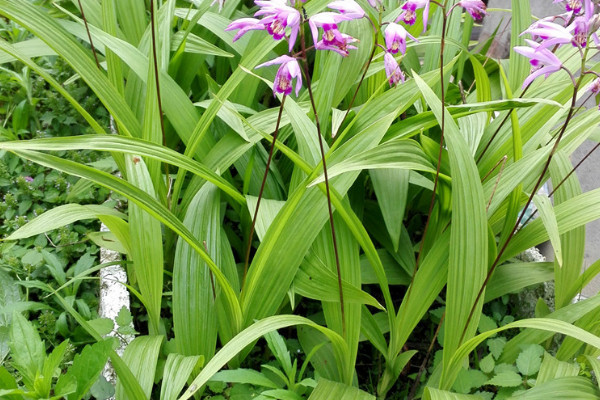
(413, 214)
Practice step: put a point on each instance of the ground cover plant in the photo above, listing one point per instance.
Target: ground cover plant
(353, 175)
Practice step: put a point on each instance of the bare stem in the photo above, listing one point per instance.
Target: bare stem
(440, 152)
(529, 200)
(335, 134)
(261, 191)
(87, 29)
(327, 191)
(158, 96)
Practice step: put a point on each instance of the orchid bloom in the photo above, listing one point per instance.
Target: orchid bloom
(374, 3)
(409, 15)
(474, 7)
(392, 70)
(340, 47)
(349, 8)
(333, 39)
(580, 28)
(572, 5)
(551, 33)
(595, 86)
(244, 25)
(543, 61)
(278, 15)
(395, 38)
(288, 70)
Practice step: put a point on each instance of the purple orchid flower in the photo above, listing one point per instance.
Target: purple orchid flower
(28, 179)
(474, 7)
(341, 46)
(395, 38)
(595, 86)
(278, 16)
(244, 25)
(580, 29)
(333, 39)
(543, 61)
(349, 8)
(571, 5)
(392, 70)
(551, 33)
(288, 70)
(409, 15)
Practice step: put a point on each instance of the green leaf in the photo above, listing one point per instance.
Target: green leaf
(194, 291)
(266, 213)
(242, 375)
(512, 277)
(487, 363)
(468, 379)
(27, 349)
(496, 346)
(61, 216)
(141, 356)
(552, 368)
(506, 379)
(486, 324)
(546, 212)
(467, 267)
(436, 394)
(574, 387)
(401, 153)
(86, 369)
(327, 390)
(124, 317)
(176, 373)
(391, 189)
(197, 45)
(530, 360)
(252, 333)
(102, 326)
(521, 19)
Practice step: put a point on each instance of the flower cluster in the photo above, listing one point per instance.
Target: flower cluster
(282, 20)
(573, 28)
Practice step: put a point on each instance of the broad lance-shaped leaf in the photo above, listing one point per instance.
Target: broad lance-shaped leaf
(176, 373)
(146, 244)
(27, 349)
(194, 312)
(436, 394)
(544, 207)
(391, 189)
(572, 387)
(327, 390)
(127, 145)
(468, 259)
(251, 334)
(141, 356)
(61, 216)
(545, 324)
(149, 204)
(573, 242)
(401, 153)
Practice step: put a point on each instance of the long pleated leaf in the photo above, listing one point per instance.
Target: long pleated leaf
(61, 216)
(468, 239)
(127, 145)
(194, 291)
(252, 333)
(141, 356)
(150, 205)
(545, 324)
